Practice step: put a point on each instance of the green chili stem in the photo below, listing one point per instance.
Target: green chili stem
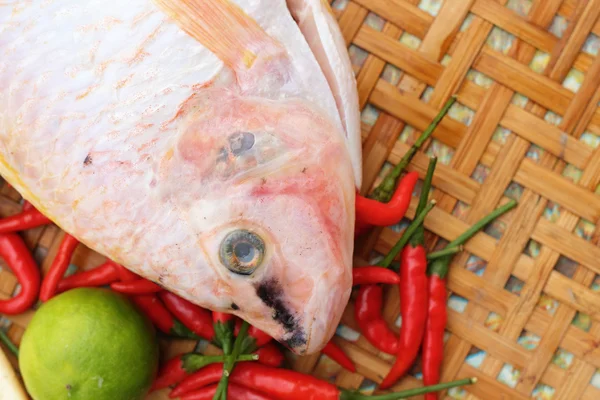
(447, 251)
(479, 225)
(406, 236)
(193, 362)
(440, 266)
(224, 335)
(419, 237)
(384, 191)
(237, 347)
(426, 184)
(249, 345)
(221, 392)
(408, 393)
(8, 343)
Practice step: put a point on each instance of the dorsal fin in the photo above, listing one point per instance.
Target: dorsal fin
(225, 29)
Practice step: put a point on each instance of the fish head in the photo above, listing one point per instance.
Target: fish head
(275, 224)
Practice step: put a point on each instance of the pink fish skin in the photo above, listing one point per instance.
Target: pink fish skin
(210, 146)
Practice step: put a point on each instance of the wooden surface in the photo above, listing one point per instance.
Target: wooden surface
(524, 314)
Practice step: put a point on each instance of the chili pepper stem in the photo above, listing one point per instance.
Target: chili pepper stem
(193, 362)
(237, 347)
(477, 226)
(384, 191)
(440, 265)
(408, 393)
(406, 236)
(229, 364)
(8, 343)
(426, 188)
(418, 238)
(448, 251)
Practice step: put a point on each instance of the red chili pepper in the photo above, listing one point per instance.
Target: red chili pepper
(151, 305)
(260, 337)
(278, 382)
(155, 310)
(195, 318)
(433, 341)
(370, 297)
(367, 311)
(270, 355)
(26, 219)
(27, 206)
(413, 292)
(373, 212)
(383, 191)
(99, 276)
(199, 379)
(209, 375)
(374, 274)
(234, 392)
(334, 352)
(222, 317)
(125, 275)
(18, 258)
(59, 267)
(139, 286)
(170, 373)
(182, 366)
(284, 384)
(413, 303)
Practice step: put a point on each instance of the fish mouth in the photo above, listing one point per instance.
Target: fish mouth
(271, 294)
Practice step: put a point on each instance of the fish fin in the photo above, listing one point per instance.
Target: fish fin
(225, 29)
(322, 33)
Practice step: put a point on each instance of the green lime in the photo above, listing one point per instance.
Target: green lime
(88, 344)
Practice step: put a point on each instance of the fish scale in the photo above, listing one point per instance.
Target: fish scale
(121, 121)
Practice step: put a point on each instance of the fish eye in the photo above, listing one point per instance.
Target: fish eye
(242, 251)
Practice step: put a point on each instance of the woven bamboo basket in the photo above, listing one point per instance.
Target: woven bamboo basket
(524, 309)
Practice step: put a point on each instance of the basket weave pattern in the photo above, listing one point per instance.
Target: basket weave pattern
(524, 311)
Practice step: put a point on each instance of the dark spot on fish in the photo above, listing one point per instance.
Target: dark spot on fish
(88, 160)
(304, 169)
(161, 278)
(241, 142)
(234, 306)
(271, 293)
(298, 339)
(223, 155)
(263, 180)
